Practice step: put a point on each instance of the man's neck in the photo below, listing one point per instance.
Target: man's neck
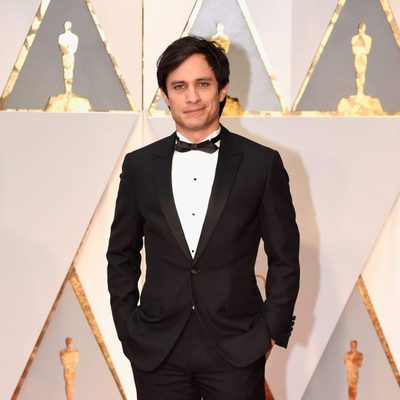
(197, 136)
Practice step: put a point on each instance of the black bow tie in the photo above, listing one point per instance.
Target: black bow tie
(208, 146)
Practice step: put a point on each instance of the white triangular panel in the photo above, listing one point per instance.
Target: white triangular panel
(54, 168)
(45, 379)
(382, 279)
(91, 267)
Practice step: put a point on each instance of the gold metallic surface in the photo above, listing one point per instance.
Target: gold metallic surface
(78, 287)
(28, 43)
(221, 38)
(392, 22)
(360, 103)
(23, 53)
(84, 303)
(353, 103)
(353, 360)
(68, 101)
(378, 328)
(69, 358)
(154, 112)
(232, 107)
(39, 341)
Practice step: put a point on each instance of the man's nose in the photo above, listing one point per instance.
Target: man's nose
(192, 94)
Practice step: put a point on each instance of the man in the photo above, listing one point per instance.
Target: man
(202, 198)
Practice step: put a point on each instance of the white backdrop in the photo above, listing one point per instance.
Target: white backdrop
(59, 175)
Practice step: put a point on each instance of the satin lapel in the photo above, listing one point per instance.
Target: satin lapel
(162, 162)
(229, 159)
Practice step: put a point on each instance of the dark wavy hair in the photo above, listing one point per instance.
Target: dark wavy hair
(179, 50)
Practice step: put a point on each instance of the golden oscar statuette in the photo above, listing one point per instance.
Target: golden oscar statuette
(68, 101)
(69, 359)
(353, 360)
(232, 106)
(360, 103)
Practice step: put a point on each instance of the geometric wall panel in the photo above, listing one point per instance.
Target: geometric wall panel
(45, 379)
(54, 168)
(91, 268)
(332, 73)
(381, 277)
(343, 179)
(376, 379)
(251, 78)
(38, 73)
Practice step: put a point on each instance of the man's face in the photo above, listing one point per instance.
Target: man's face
(193, 97)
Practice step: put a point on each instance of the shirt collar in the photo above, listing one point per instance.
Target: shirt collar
(209, 137)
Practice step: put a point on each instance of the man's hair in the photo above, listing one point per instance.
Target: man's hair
(179, 50)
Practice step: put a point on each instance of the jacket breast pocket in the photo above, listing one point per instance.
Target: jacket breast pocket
(244, 305)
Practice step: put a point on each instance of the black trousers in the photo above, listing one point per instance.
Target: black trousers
(196, 370)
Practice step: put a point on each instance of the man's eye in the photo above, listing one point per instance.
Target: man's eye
(178, 87)
(203, 84)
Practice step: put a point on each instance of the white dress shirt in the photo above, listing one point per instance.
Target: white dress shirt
(192, 177)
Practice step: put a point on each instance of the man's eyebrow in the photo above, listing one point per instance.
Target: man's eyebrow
(175, 82)
(205, 78)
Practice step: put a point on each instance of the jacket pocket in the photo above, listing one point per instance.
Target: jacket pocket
(151, 307)
(244, 305)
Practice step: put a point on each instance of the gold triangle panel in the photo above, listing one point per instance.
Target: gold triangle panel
(253, 88)
(41, 70)
(378, 328)
(344, 52)
(94, 374)
(375, 377)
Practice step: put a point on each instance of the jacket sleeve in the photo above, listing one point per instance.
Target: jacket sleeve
(281, 242)
(123, 255)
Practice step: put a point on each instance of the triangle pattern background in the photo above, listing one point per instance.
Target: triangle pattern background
(45, 377)
(376, 379)
(41, 74)
(331, 80)
(53, 176)
(250, 80)
(381, 277)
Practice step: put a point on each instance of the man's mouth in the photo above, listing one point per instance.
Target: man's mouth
(194, 110)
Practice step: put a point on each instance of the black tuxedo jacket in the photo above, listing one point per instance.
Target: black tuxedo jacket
(250, 199)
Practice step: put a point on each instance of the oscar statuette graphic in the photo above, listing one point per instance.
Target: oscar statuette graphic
(69, 359)
(353, 360)
(360, 103)
(68, 101)
(232, 106)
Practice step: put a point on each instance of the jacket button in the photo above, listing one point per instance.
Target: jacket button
(194, 270)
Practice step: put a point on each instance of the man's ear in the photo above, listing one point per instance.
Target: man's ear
(223, 92)
(165, 97)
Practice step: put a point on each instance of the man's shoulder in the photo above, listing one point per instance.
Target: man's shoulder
(145, 152)
(248, 145)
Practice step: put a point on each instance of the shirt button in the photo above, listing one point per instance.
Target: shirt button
(194, 270)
